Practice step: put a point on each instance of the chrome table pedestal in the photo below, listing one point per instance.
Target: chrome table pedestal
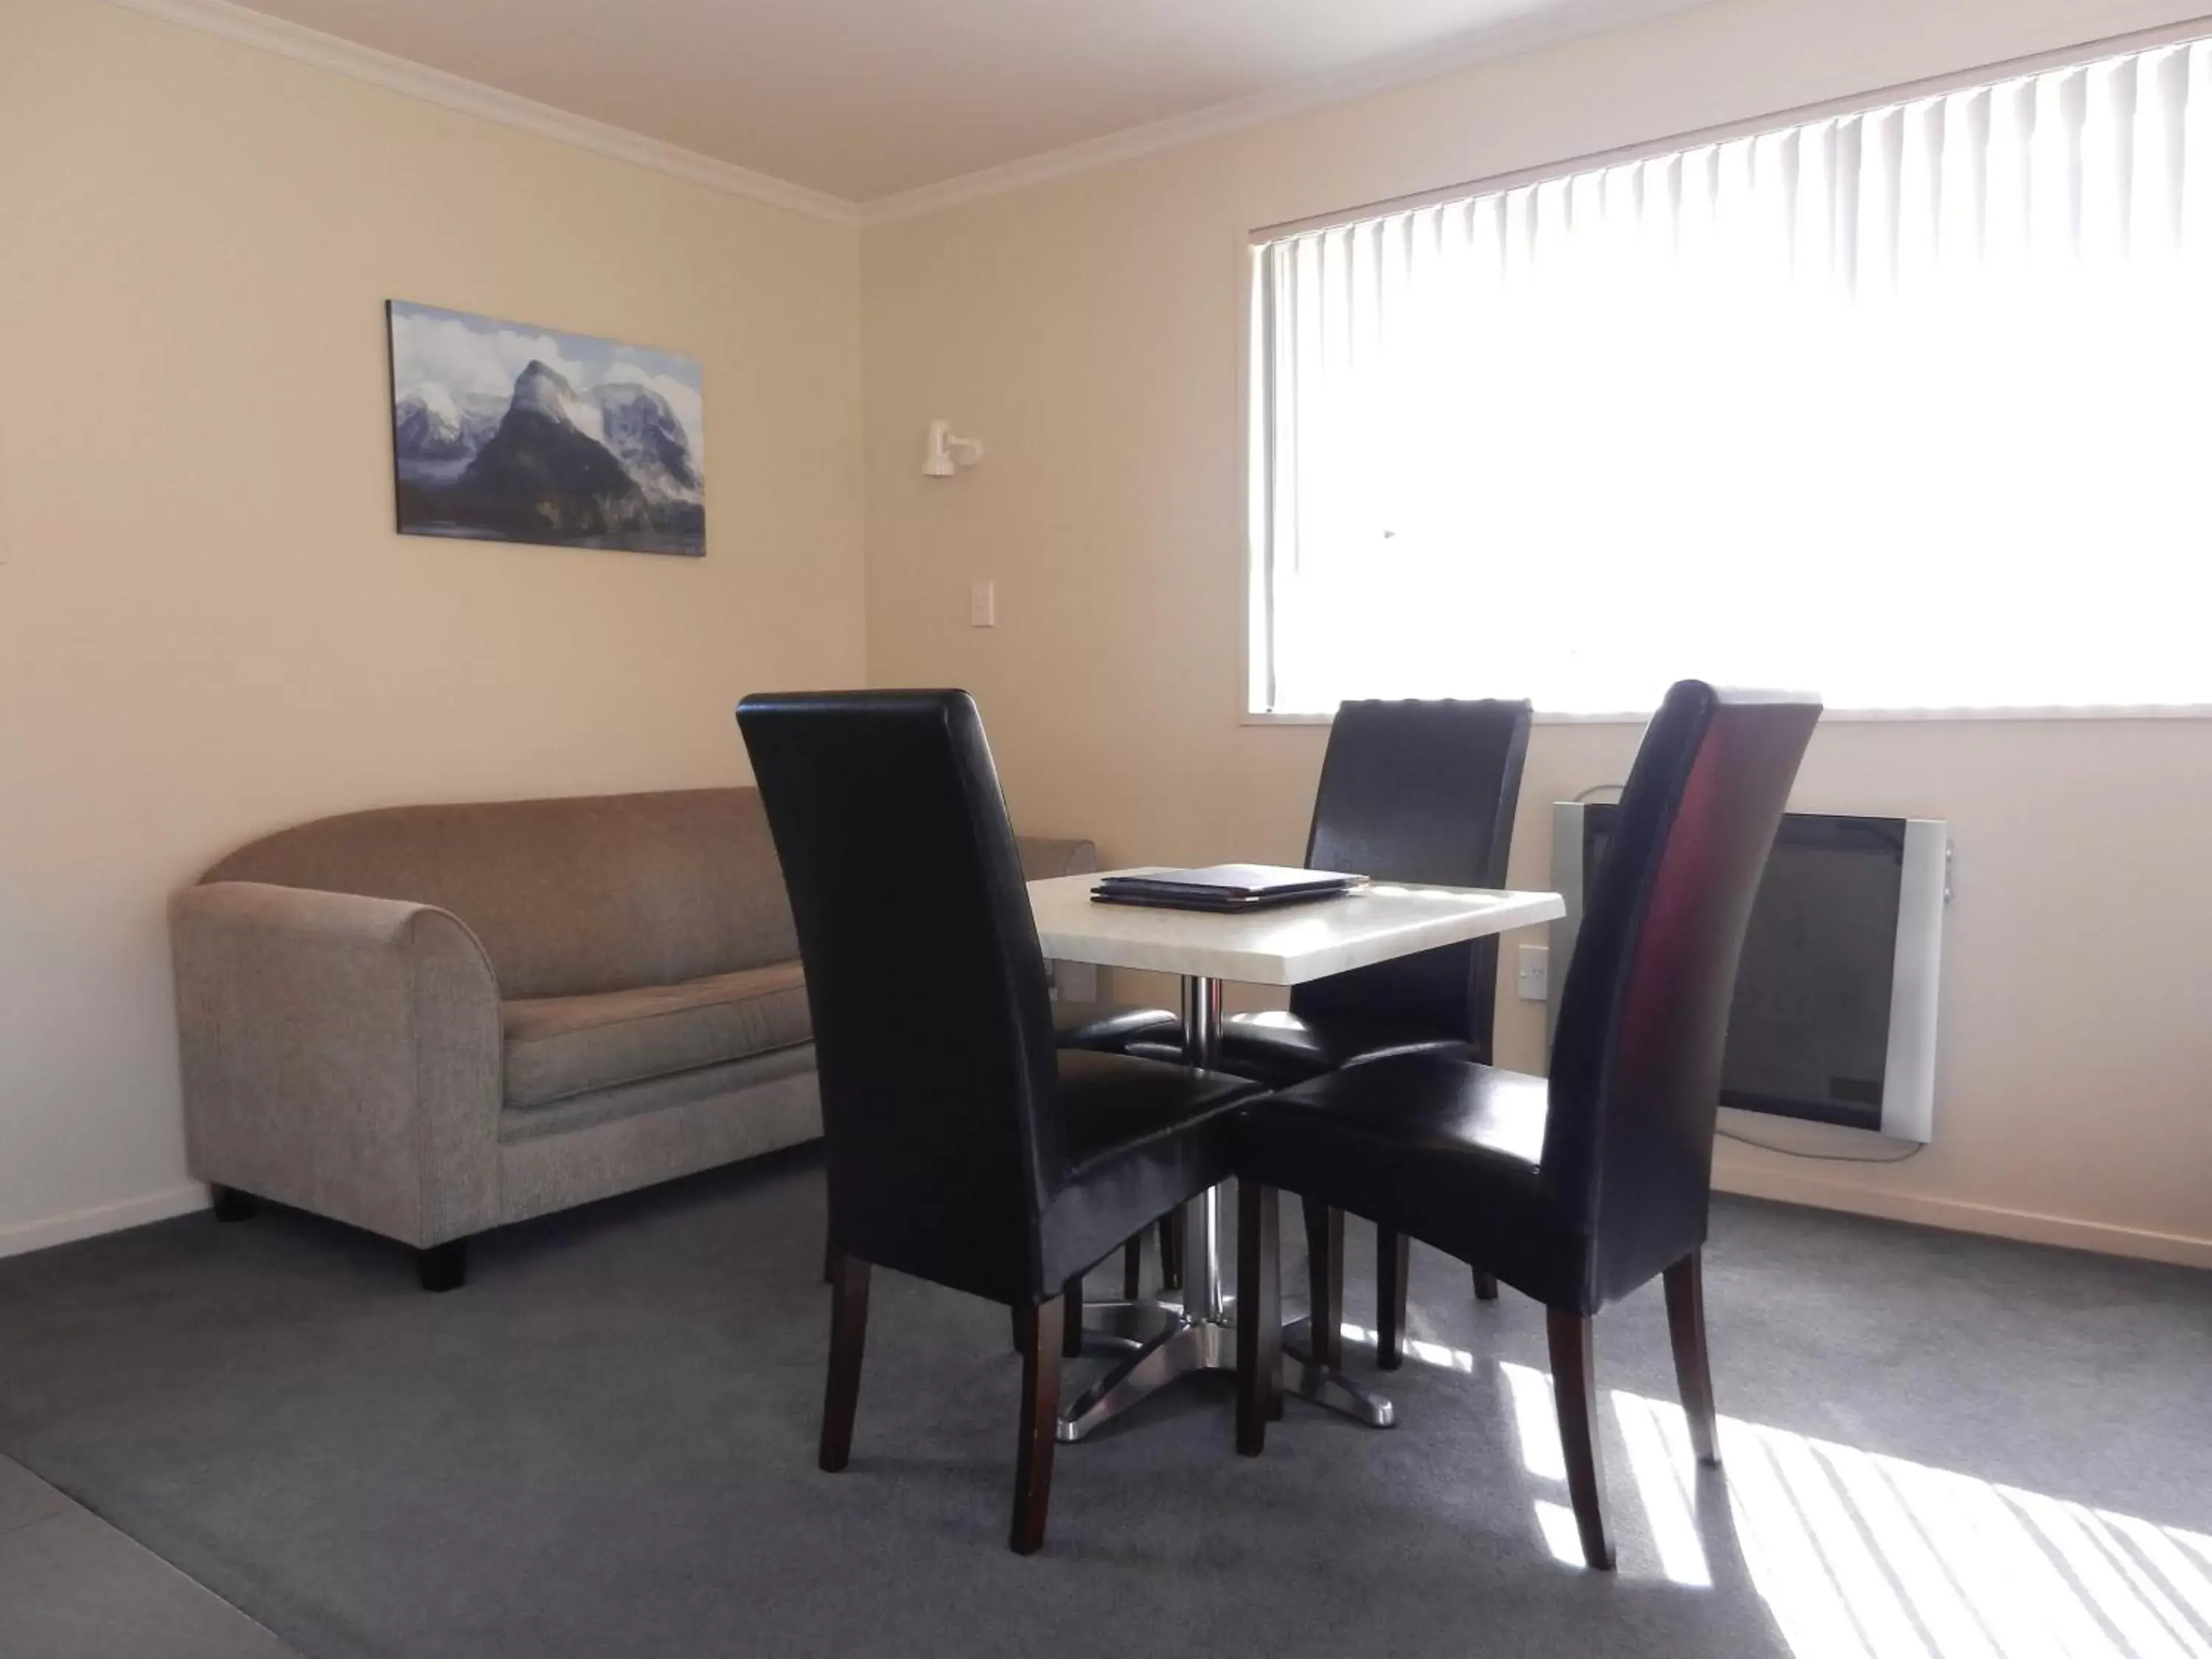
(1161, 1342)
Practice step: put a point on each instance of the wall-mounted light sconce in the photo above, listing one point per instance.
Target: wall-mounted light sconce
(948, 454)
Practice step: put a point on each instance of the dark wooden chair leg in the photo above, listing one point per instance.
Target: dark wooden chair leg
(1071, 1326)
(1694, 1364)
(1260, 1315)
(1325, 1282)
(1574, 1392)
(848, 1335)
(1394, 1267)
(1486, 1285)
(232, 1205)
(1133, 1268)
(1041, 1336)
(443, 1266)
(1171, 1249)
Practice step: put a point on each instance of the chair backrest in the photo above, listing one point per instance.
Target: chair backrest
(1419, 792)
(939, 1090)
(1636, 1066)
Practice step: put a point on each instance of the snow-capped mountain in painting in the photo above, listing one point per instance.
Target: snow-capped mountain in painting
(644, 434)
(506, 433)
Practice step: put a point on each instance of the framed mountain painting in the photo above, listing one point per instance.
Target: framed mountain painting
(503, 432)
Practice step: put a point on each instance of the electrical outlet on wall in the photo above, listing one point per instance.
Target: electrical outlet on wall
(1532, 979)
(983, 602)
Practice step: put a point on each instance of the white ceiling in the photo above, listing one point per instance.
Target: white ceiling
(866, 98)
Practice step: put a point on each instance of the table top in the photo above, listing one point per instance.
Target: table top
(1287, 945)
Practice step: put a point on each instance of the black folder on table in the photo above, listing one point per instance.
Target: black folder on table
(1225, 887)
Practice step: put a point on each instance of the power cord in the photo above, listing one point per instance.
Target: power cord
(1596, 787)
(1818, 1158)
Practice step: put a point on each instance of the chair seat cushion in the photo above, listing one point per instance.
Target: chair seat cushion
(1110, 1025)
(561, 1047)
(1282, 1048)
(1437, 1147)
(1141, 1136)
(1115, 1104)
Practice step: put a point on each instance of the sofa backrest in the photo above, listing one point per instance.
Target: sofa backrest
(568, 896)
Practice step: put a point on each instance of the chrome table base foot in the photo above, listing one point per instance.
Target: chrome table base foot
(1140, 1320)
(1320, 1386)
(1127, 1328)
(1323, 1386)
(1160, 1344)
(1177, 1352)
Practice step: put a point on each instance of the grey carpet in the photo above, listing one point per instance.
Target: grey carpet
(604, 1446)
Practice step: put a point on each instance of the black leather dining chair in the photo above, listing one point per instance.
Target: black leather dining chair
(1411, 791)
(1579, 1190)
(962, 1147)
(1113, 1028)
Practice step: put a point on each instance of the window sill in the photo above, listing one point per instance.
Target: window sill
(1848, 716)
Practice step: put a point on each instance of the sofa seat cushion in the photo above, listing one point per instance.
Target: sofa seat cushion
(561, 1047)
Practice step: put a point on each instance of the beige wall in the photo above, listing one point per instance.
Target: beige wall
(207, 626)
(1089, 331)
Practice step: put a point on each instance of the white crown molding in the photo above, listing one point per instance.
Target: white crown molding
(302, 44)
(1532, 32)
(328, 51)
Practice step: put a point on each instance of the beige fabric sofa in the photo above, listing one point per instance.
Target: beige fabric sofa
(430, 1021)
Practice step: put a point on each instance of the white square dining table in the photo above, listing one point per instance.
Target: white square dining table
(1284, 945)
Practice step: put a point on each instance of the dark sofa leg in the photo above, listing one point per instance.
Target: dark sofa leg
(1574, 1392)
(232, 1205)
(1040, 1330)
(444, 1267)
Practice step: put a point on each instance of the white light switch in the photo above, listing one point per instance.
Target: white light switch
(1532, 979)
(982, 603)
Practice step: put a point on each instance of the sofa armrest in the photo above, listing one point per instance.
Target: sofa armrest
(1047, 855)
(341, 1054)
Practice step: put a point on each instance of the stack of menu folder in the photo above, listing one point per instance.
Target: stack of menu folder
(1225, 887)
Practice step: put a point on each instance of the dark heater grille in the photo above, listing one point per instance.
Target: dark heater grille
(1809, 1029)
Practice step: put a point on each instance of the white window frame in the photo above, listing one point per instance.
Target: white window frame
(1253, 647)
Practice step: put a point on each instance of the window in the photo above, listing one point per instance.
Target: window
(1910, 406)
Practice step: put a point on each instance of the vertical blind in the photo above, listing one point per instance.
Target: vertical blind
(1911, 407)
